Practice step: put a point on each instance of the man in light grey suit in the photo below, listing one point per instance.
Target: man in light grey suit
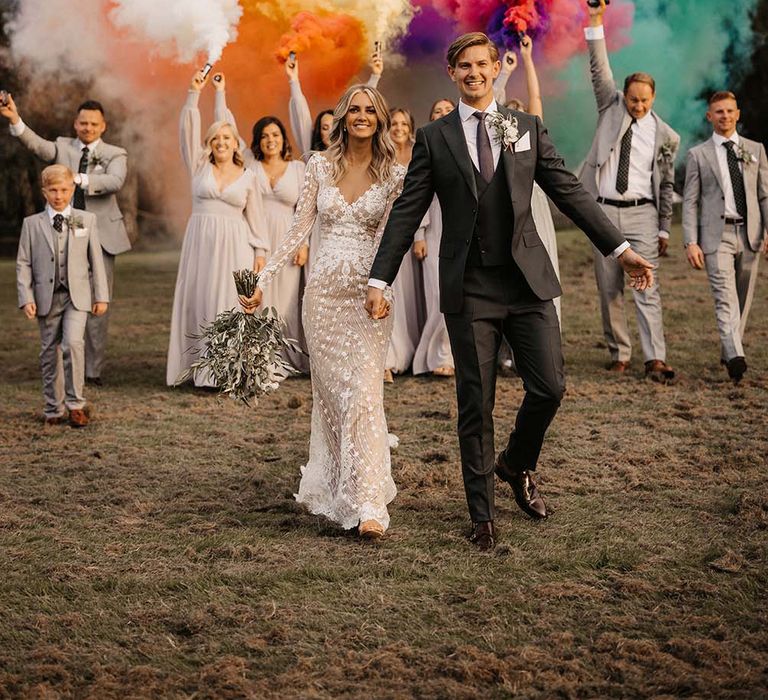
(725, 214)
(100, 171)
(630, 171)
(59, 258)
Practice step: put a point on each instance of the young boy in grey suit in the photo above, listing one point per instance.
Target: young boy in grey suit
(59, 254)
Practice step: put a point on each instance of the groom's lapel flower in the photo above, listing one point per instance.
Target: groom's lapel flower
(96, 161)
(504, 129)
(744, 155)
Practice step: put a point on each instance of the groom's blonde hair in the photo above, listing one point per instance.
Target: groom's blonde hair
(467, 40)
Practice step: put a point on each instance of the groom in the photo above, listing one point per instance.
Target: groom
(496, 279)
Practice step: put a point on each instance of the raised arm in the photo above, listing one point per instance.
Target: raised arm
(303, 221)
(45, 150)
(298, 109)
(222, 113)
(508, 65)
(377, 68)
(535, 105)
(189, 125)
(603, 84)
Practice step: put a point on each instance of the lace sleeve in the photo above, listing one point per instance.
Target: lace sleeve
(189, 132)
(396, 189)
(303, 221)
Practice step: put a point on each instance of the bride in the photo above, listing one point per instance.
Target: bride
(349, 188)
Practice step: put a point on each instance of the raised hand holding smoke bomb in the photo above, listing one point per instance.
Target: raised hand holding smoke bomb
(377, 60)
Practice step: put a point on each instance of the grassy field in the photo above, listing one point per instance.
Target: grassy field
(159, 552)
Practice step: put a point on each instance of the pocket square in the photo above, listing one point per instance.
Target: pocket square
(81, 232)
(523, 143)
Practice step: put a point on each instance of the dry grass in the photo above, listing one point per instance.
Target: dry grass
(159, 553)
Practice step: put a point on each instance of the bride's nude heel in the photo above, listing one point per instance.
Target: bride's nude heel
(371, 530)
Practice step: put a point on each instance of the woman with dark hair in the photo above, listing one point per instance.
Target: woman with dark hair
(321, 131)
(433, 352)
(349, 189)
(408, 316)
(279, 178)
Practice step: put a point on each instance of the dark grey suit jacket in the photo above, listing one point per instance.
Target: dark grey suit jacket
(441, 165)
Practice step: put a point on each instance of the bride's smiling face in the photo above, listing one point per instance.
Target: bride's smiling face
(361, 120)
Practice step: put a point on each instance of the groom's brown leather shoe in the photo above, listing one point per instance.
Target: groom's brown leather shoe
(523, 487)
(483, 536)
(78, 418)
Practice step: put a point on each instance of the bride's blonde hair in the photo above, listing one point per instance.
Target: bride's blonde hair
(207, 154)
(383, 158)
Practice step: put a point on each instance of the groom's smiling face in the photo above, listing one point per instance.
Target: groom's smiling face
(474, 73)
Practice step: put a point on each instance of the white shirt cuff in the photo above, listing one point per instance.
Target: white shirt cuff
(82, 180)
(594, 33)
(377, 284)
(18, 129)
(663, 234)
(620, 250)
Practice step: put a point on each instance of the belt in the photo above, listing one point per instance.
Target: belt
(623, 203)
(733, 222)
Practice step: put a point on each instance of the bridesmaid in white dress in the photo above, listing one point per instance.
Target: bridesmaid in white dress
(349, 189)
(225, 233)
(407, 288)
(433, 353)
(280, 179)
(542, 214)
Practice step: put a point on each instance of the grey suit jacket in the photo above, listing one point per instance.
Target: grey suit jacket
(106, 174)
(704, 201)
(612, 121)
(35, 263)
(441, 165)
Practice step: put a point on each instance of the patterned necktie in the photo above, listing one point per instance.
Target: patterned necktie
(58, 222)
(622, 177)
(737, 180)
(484, 150)
(79, 200)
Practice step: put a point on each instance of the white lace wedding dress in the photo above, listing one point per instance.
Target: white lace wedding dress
(348, 476)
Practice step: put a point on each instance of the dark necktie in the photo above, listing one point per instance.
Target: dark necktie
(79, 200)
(737, 180)
(622, 177)
(58, 222)
(484, 150)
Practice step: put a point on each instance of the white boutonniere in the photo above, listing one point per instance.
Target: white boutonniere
(96, 162)
(744, 155)
(76, 226)
(666, 152)
(504, 129)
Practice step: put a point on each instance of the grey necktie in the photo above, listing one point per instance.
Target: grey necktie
(484, 150)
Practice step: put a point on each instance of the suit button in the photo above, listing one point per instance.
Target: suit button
(50, 281)
(722, 216)
(51, 259)
(467, 241)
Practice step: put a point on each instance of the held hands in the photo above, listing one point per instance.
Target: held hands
(300, 259)
(250, 304)
(198, 81)
(640, 271)
(100, 308)
(596, 14)
(695, 256)
(376, 305)
(30, 310)
(420, 250)
(9, 110)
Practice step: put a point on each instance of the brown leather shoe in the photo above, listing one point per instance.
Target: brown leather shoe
(78, 418)
(523, 487)
(618, 366)
(54, 420)
(483, 536)
(659, 371)
(371, 530)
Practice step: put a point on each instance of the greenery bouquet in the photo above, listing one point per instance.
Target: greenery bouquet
(242, 351)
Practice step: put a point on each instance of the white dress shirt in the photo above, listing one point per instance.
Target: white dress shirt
(731, 211)
(640, 163)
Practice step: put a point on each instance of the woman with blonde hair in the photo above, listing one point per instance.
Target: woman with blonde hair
(349, 189)
(225, 232)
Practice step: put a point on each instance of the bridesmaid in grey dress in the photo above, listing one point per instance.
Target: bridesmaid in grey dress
(542, 214)
(225, 232)
(407, 289)
(280, 179)
(433, 353)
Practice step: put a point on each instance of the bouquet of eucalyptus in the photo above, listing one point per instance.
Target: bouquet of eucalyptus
(242, 351)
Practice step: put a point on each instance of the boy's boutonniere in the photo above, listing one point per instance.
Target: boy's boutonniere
(504, 128)
(75, 222)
